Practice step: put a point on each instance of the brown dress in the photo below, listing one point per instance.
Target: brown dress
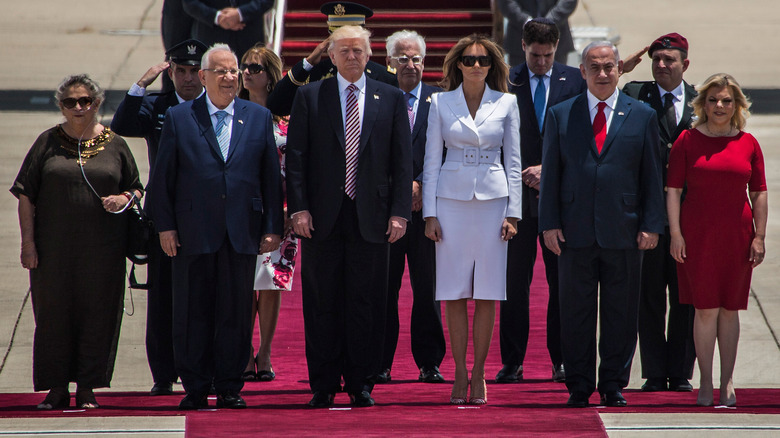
(78, 286)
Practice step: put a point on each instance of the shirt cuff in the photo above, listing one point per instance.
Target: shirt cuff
(136, 90)
(216, 18)
(307, 65)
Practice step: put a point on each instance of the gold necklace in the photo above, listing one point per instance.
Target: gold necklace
(84, 149)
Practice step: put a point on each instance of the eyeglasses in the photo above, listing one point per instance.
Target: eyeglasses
(469, 61)
(84, 102)
(253, 68)
(403, 60)
(222, 71)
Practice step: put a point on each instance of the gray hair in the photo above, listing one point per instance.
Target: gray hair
(95, 91)
(404, 35)
(597, 44)
(351, 32)
(217, 47)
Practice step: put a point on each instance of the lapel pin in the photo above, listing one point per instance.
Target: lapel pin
(240, 121)
(376, 97)
(428, 99)
(561, 79)
(620, 113)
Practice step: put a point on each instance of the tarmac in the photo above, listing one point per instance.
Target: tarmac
(116, 41)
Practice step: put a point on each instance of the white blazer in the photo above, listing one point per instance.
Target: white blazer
(473, 166)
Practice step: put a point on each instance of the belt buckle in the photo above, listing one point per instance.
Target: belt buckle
(470, 156)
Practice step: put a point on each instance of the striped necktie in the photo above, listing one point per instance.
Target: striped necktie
(223, 135)
(409, 97)
(352, 141)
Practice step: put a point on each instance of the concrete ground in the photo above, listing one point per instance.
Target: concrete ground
(116, 41)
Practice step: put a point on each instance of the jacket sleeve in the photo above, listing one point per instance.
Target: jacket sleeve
(401, 147)
(550, 190)
(297, 155)
(273, 204)
(434, 148)
(651, 185)
(132, 118)
(513, 165)
(162, 183)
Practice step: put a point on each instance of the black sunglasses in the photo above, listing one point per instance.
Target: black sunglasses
(469, 61)
(70, 102)
(252, 68)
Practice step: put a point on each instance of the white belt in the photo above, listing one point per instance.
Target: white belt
(474, 156)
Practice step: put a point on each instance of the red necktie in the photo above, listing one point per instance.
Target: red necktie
(600, 127)
(352, 141)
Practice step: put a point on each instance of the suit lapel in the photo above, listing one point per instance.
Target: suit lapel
(239, 112)
(422, 110)
(685, 121)
(200, 113)
(458, 107)
(619, 115)
(370, 111)
(331, 102)
(489, 104)
(557, 81)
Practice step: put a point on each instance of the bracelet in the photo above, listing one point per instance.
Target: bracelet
(130, 197)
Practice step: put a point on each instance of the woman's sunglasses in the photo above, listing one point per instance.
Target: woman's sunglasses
(469, 61)
(84, 102)
(252, 68)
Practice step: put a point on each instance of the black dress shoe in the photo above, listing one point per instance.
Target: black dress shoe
(361, 399)
(613, 399)
(679, 384)
(321, 399)
(510, 374)
(654, 384)
(162, 388)
(578, 400)
(191, 402)
(430, 375)
(558, 374)
(383, 377)
(230, 401)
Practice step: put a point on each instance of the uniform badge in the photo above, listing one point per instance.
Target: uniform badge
(192, 50)
(240, 121)
(339, 9)
(376, 97)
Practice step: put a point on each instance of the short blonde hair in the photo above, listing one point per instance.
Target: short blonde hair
(350, 32)
(722, 80)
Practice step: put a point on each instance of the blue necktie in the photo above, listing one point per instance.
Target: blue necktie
(540, 101)
(223, 136)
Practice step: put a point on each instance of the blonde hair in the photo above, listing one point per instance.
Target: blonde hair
(498, 74)
(350, 32)
(721, 80)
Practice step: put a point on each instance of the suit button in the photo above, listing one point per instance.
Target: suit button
(223, 196)
(669, 145)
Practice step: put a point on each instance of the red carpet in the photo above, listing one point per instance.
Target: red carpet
(404, 406)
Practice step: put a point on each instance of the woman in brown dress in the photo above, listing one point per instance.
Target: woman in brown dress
(73, 188)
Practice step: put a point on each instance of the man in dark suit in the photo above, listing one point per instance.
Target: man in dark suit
(349, 169)
(217, 202)
(601, 205)
(238, 23)
(314, 68)
(175, 27)
(519, 12)
(406, 55)
(666, 348)
(143, 116)
(539, 83)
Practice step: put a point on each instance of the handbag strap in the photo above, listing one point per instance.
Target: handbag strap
(134, 284)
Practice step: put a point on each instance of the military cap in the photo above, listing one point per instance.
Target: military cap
(188, 52)
(669, 41)
(345, 14)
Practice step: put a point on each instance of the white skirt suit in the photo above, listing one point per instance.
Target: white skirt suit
(472, 191)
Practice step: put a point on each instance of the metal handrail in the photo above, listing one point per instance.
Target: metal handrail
(274, 26)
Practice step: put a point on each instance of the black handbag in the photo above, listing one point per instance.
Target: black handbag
(139, 232)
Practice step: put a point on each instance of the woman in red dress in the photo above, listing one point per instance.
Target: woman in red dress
(717, 234)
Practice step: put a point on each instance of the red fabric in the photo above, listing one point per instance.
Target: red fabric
(716, 218)
(600, 126)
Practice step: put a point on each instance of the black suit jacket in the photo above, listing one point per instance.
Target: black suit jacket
(205, 11)
(203, 197)
(281, 98)
(565, 83)
(316, 163)
(648, 92)
(604, 198)
(419, 132)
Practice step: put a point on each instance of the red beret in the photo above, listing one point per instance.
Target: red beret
(669, 41)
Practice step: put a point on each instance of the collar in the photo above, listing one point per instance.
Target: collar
(182, 100)
(532, 75)
(213, 108)
(343, 83)
(416, 91)
(678, 93)
(610, 101)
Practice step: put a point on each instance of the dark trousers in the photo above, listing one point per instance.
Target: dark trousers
(598, 284)
(344, 281)
(159, 315)
(514, 315)
(666, 349)
(428, 344)
(212, 318)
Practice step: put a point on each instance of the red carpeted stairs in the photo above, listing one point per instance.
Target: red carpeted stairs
(442, 23)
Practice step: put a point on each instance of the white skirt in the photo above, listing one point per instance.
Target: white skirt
(471, 256)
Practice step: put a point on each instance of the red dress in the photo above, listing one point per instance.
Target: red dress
(716, 218)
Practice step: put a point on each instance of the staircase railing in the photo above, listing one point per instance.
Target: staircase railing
(274, 26)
